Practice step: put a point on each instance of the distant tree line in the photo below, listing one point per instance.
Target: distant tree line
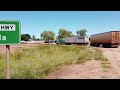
(25, 37)
(50, 35)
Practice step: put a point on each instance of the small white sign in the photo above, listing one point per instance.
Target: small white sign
(7, 27)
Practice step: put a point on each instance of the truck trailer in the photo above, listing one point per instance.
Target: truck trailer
(106, 39)
(84, 40)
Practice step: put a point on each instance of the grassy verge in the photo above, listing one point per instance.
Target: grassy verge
(37, 62)
(98, 55)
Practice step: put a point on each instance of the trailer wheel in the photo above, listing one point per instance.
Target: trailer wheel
(96, 45)
(67, 43)
(106, 45)
(91, 44)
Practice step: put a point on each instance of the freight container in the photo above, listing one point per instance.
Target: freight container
(77, 40)
(106, 39)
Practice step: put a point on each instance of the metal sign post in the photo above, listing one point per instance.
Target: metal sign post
(7, 61)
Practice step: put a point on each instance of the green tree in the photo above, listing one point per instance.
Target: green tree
(25, 37)
(34, 37)
(37, 39)
(64, 33)
(47, 35)
(81, 32)
(73, 35)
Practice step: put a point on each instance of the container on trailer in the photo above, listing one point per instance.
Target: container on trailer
(106, 38)
(77, 40)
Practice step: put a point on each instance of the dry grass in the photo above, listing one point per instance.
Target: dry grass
(98, 55)
(37, 62)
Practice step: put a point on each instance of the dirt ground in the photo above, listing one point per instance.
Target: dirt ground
(113, 54)
(92, 69)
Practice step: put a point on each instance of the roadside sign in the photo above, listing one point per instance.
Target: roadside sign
(10, 32)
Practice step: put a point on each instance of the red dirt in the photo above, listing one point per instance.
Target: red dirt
(91, 69)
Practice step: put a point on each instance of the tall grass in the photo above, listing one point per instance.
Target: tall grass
(37, 62)
(98, 55)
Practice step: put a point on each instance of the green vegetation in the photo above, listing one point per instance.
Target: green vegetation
(64, 33)
(47, 35)
(99, 56)
(25, 37)
(50, 35)
(81, 32)
(37, 62)
(34, 37)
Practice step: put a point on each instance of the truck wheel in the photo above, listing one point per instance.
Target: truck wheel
(96, 45)
(106, 45)
(91, 44)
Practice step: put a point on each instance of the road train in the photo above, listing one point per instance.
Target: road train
(80, 40)
(74, 40)
(106, 39)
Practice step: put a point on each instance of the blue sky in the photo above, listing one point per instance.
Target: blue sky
(35, 22)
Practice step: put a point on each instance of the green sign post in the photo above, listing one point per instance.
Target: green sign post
(9, 34)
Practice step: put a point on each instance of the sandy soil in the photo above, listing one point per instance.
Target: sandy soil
(91, 69)
(113, 54)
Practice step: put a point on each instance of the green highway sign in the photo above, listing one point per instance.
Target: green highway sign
(10, 32)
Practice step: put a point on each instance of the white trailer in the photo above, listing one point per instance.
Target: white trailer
(77, 40)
